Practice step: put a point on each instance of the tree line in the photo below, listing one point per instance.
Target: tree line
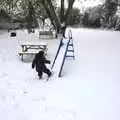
(29, 11)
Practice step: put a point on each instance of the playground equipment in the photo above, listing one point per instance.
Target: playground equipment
(12, 30)
(65, 49)
(13, 34)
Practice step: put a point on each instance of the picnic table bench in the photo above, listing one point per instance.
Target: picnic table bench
(31, 48)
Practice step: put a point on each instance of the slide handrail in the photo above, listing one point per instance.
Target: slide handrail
(57, 52)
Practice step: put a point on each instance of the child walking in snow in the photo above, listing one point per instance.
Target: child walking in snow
(39, 62)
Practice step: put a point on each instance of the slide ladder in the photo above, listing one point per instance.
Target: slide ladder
(70, 49)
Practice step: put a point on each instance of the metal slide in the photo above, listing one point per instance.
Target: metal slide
(60, 57)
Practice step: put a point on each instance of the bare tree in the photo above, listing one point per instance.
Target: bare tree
(56, 18)
(64, 15)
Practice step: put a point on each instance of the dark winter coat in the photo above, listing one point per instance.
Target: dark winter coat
(40, 61)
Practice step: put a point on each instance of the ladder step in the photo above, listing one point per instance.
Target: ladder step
(70, 45)
(70, 56)
(70, 50)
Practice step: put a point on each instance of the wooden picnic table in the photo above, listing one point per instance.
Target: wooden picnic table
(32, 48)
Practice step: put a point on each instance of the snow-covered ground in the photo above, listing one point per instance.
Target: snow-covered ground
(88, 90)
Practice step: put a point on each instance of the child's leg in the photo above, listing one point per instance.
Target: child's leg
(47, 71)
(40, 74)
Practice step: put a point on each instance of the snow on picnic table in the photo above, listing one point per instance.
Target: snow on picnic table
(88, 90)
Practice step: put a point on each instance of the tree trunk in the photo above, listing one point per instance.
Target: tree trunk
(51, 13)
(62, 11)
(55, 20)
(69, 9)
(55, 17)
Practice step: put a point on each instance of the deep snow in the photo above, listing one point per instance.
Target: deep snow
(88, 90)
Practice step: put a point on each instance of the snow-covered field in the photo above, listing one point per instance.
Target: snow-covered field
(88, 90)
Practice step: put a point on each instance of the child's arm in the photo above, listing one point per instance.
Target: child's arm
(33, 63)
(47, 61)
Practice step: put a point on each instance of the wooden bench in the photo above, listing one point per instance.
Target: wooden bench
(44, 34)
